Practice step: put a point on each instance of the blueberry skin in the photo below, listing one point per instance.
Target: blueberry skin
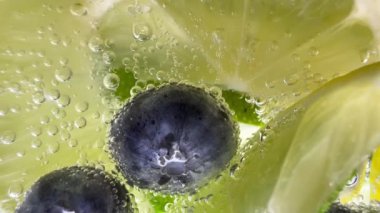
(76, 189)
(172, 139)
(338, 208)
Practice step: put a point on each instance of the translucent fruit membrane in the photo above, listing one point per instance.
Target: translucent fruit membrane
(66, 67)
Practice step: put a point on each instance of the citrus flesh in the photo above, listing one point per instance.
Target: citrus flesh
(309, 150)
(274, 50)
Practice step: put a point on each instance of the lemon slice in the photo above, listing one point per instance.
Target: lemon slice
(374, 177)
(308, 150)
(51, 113)
(275, 50)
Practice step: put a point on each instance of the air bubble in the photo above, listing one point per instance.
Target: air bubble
(259, 101)
(66, 41)
(81, 106)
(140, 83)
(3, 110)
(63, 74)
(35, 131)
(142, 32)
(96, 115)
(73, 143)
(38, 97)
(107, 117)
(14, 88)
(307, 66)
(59, 113)
(63, 101)
(152, 71)
(36, 143)
(291, 80)
(126, 62)
(53, 147)
(365, 56)
(80, 122)
(135, 90)
(233, 170)
(63, 61)
(20, 153)
(111, 81)
(133, 47)
(78, 9)
(159, 45)
(52, 130)
(160, 75)
(314, 51)
(52, 94)
(317, 77)
(262, 136)
(274, 46)
(99, 144)
(142, 9)
(47, 63)
(269, 84)
(108, 57)
(353, 181)
(54, 40)
(296, 57)
(65, 135)
(216, 37)
(168, 207)
(7, 137)
(15, 109)
(95, 44)
(15, 190)
(216, 91)
(44, 119)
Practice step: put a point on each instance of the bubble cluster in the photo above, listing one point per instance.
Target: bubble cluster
(7, 137)
(111, 81)
(63, 74)
(78, 9)
(142, 31)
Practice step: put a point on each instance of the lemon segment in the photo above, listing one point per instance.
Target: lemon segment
(279, 51)
(334, 145)
(50, 108)
(308, 150)
(374, 177)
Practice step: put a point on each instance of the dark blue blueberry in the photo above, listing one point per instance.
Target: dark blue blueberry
(173, 138)
(76, 189)
(338, 208)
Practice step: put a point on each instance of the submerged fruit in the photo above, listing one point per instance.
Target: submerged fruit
(172, 138)
(339, 208)
(76, 189)
(278, 52)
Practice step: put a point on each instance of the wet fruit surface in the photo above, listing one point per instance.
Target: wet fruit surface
(172, 138)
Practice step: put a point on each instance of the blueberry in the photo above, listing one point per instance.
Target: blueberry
(173, 138)
(76, 189)
(339, 208)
